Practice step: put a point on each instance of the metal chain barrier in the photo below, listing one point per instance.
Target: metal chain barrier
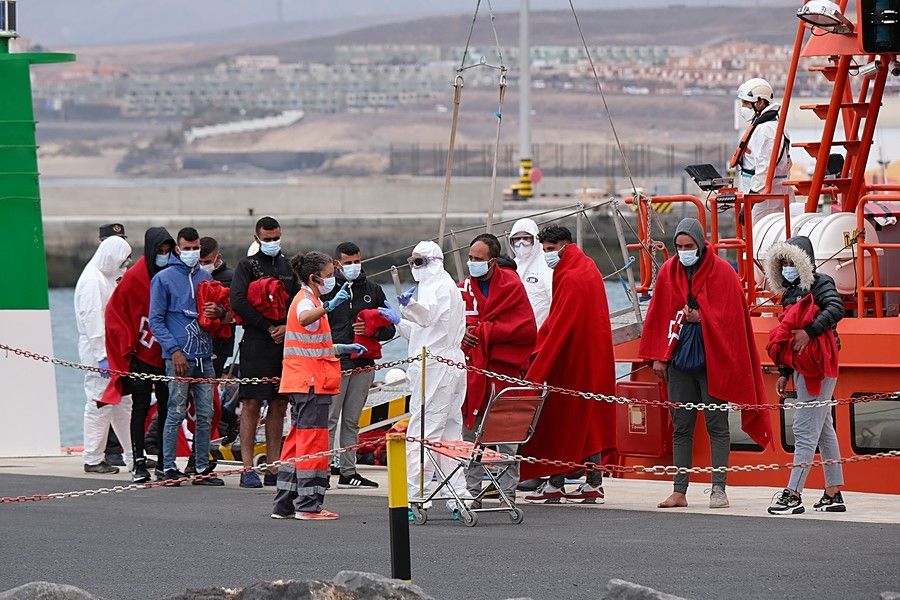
(150, 377)
(173, 482)
(562, 465)
(656, 469)
(660, 403)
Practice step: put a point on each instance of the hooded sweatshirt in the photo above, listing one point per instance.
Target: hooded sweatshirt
(799, 250)
(173, 310)
(92, 292)
(536, 276)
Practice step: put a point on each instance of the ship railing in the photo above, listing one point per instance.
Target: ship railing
(871, 249)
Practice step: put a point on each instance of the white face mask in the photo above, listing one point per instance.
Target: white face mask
(209, 268)
(190, 257)
(747, 114)
(552, 258)
(327, 285)
(688, 257)
(352, 271)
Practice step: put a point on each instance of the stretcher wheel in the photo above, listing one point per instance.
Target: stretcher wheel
(516, 515)
(420, 516)
(469, 518)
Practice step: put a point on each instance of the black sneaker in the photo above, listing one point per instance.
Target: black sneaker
(116, 460)
(209, 478)
(140, 473)
(191, 469)
(102, 468)
(355, 481)
(787, 504)
(171, 476)
(335, 469)
(150, 463)
(159, 473)
(830, 503)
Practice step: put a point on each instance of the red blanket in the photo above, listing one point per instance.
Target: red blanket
(574, 350)
(268, 296)
(215, 292)
(733, 371)
(818, 360)
(128, 328)
(372, 320)
(504, 324)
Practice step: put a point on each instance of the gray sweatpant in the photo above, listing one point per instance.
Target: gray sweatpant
(814, 427)
(509, 478)
(347, 405)
(691, 387)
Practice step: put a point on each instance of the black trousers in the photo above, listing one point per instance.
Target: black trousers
(141, 390)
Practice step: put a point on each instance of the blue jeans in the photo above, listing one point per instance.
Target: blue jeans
(202, 393)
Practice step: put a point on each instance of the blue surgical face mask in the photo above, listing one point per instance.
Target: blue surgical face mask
(162, 260)
(327, 285)
(478, 268)
(190, 257)
(791, 274)
(270, 248)
(352, 271)
(688, 257)
(552, 258)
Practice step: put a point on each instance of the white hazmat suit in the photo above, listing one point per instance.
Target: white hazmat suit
(434, 320)
(92, 292)
(536, 276)
(753, 168)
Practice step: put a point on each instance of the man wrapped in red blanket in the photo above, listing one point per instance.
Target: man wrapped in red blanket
(818, 359)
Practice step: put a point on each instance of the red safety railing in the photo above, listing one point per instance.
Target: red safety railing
(872, 250)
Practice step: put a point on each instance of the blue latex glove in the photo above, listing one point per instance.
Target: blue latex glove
(350, 349)
(104, 364)
(389, 313)
(342, 296)
(406, 296)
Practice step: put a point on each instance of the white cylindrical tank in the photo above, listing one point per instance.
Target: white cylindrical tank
(827, 234)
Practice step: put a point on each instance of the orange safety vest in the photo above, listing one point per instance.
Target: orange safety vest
(309, 359)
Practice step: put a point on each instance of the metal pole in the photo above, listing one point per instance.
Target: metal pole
(457, 94)
(620, 233)
(395, 277)
(524, 84)
(579, 228)
(398, 505)
(457, 258)
(422, 430)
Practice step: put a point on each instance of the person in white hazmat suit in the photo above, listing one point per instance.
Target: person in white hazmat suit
(434, 320)
(92, 292)
(536, 276)
(751, 160)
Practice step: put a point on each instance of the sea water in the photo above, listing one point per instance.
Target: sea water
(70, 382)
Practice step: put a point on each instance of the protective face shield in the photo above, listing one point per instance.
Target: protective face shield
(352, 271)
(190, 257)
(688, 257)
(790, 273)
(552, 258)
(478, 268)
(327, 285)
(162, 260)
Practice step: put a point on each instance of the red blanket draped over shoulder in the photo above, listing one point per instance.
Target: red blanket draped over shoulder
(574, 350)
(819, 359)
(128, 328)
(733, 370)
(504, 324)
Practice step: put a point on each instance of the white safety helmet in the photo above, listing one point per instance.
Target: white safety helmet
(754, 89)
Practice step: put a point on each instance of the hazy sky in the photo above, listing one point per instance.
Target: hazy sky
(61, 23)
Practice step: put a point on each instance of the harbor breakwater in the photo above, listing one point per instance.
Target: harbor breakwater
(380, 214)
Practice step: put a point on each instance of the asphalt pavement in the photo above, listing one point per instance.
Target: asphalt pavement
(152, 543)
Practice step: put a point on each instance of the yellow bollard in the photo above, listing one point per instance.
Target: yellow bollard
(422, 427)
(398, 507)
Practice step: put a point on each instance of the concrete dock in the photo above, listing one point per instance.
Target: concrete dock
(149, 543)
